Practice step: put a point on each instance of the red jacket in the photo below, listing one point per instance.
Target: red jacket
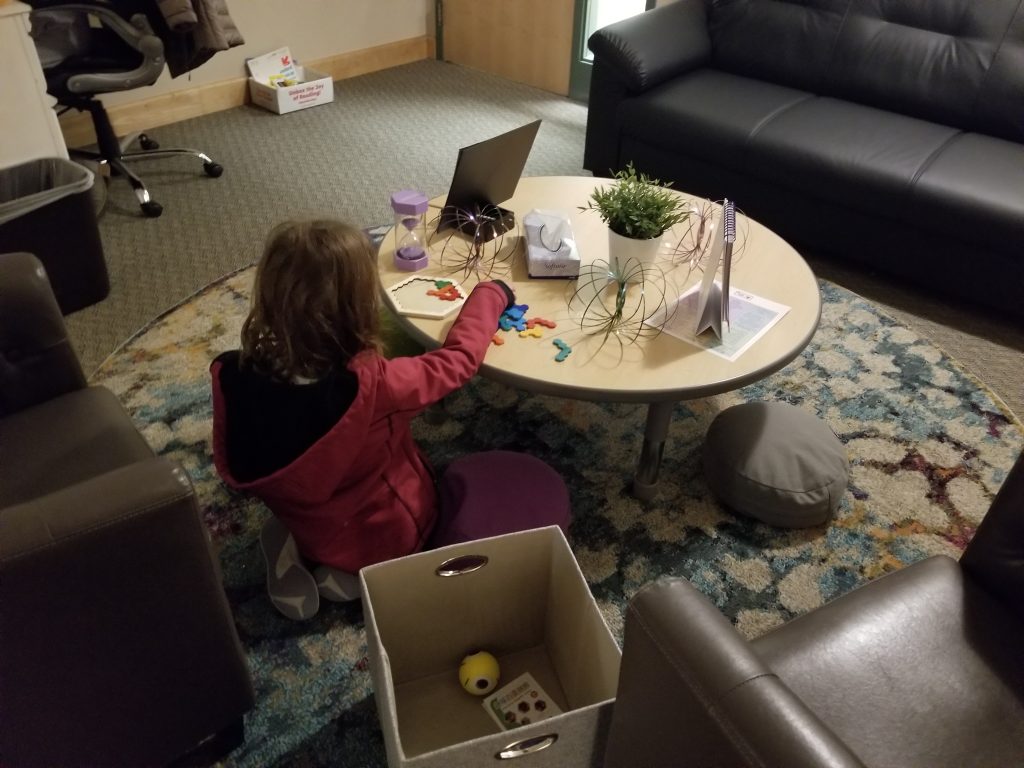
(363, 493)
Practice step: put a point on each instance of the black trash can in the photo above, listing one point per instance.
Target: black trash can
(46, 209)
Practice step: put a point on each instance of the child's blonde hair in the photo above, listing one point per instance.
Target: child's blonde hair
(315, 301)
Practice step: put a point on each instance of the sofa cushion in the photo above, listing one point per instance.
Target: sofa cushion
(850, 154)
(63, 441)
(932, 60)
(974, 189)
(956, 62)
(789, 43)
(862, 157)
(707, 113)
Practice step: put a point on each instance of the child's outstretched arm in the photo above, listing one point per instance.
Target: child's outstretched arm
(417, 382)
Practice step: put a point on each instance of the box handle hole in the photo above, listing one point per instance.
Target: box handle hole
(527, 746)
(457, 566)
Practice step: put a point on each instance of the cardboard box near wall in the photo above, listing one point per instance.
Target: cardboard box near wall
(530, 606)
(313, 88)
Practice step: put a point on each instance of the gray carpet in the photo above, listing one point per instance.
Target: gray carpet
(397, 128)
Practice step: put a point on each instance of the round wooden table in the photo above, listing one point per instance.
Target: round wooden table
(659, 370)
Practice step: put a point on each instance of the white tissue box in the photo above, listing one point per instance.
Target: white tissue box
(550, 246)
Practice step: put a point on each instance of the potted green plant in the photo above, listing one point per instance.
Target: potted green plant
(638, 211)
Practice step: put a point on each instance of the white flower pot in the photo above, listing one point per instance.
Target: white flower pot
(627, 256)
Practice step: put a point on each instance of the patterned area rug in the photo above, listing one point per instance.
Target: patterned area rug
(928, 444)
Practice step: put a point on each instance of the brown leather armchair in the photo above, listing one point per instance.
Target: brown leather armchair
(117, 646)
(923, 667)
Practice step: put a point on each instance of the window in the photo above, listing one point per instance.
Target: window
(590, 16)
(601, 13)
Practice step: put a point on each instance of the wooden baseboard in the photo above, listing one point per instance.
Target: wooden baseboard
(167, 108)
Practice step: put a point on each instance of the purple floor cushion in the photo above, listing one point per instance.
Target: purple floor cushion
(497, 492)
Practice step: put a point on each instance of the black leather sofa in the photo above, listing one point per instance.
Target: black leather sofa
(887, 132)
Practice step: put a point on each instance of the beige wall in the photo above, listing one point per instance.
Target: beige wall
(312, 29)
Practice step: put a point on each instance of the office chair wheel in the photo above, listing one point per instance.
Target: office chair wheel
(152, 209)
(213, 170)
(147, 143)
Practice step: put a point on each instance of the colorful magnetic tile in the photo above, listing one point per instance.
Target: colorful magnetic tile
(531, 322)
(447, 293)
(564, 350)
(418, 296)
(511, 321)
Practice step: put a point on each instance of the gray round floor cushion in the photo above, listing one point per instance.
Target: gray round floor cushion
(776, 463)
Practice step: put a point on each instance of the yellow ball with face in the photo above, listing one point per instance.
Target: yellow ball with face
(479, 673)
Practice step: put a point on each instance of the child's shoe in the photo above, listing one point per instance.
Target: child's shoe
(291, 587)
(335, 585)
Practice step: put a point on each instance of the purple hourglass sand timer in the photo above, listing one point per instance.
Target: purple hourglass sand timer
(410, 209)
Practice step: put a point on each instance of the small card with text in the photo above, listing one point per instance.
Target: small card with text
(520, 703)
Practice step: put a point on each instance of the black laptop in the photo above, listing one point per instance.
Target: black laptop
(486, 175)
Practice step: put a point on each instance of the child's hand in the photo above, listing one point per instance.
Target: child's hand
(508, 292)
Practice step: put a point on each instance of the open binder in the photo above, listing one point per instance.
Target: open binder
(713, 298)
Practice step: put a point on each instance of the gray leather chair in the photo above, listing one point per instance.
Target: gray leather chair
(923, 667)
(117, 645)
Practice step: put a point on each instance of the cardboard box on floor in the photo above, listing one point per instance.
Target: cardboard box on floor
(268, 72)
(529, 606)
(314, 88)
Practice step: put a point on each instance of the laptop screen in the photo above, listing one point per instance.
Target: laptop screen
(486, 173)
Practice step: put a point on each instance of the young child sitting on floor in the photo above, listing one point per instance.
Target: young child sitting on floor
(311, 418)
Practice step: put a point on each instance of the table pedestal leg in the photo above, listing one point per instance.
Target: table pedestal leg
(645, 481)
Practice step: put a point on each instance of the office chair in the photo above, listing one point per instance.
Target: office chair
(89, 49)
